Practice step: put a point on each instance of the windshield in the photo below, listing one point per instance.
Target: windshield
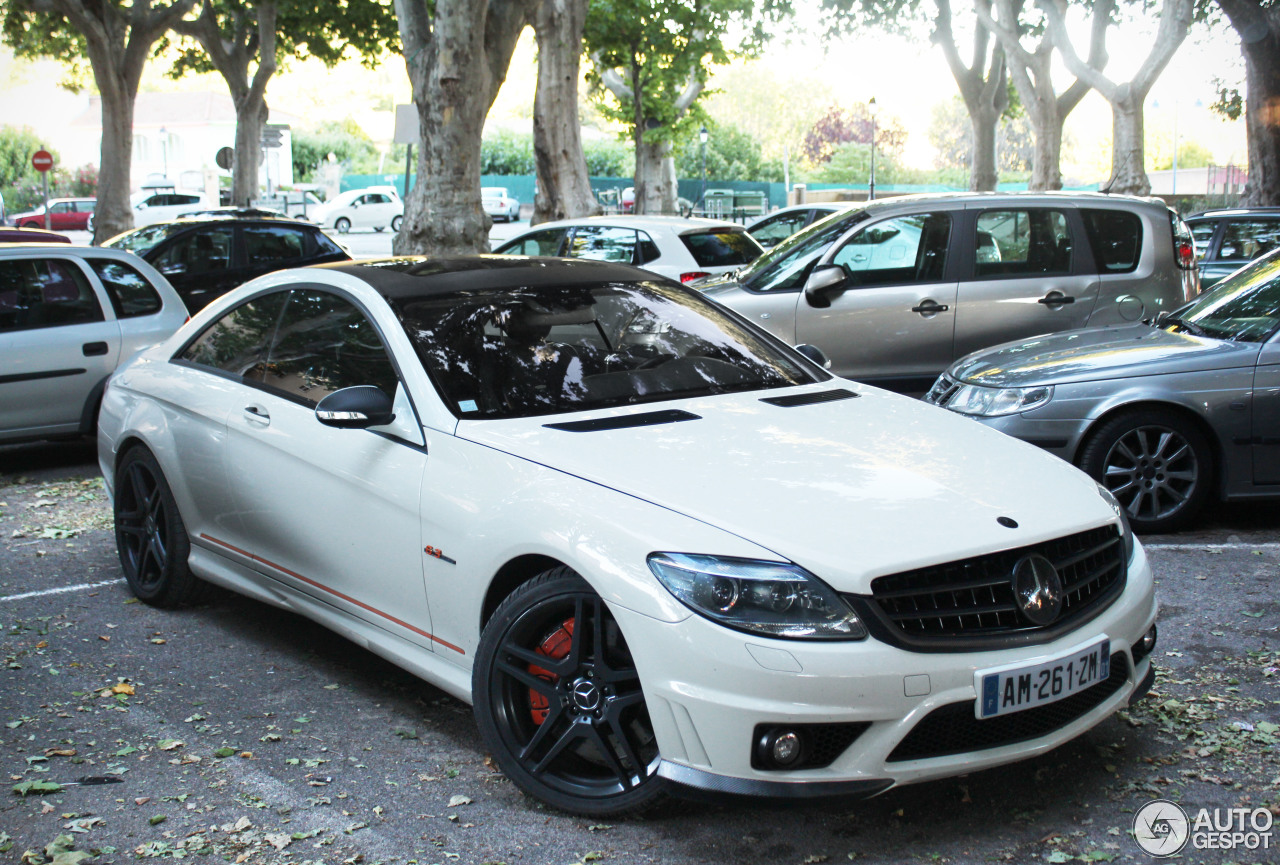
(786, 265)
(1244, 307)
(536, 351)
(143, 239)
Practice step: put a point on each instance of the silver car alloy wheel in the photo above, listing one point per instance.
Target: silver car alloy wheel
(1153, 471)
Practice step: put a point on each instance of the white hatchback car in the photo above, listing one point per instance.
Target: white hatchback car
(161, 205)
(373, 207)
(654, 546)
(68, 316)
(673, 246)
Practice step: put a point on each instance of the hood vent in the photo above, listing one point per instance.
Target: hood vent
(810, 398)
(649, 418)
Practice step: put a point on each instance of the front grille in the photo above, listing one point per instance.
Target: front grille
(942, 391)
(974, 598)
(954, 729)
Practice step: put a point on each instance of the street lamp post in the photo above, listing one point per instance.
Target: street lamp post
(703, 135)
(871, 186)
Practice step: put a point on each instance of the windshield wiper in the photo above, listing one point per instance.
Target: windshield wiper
(1189, 327)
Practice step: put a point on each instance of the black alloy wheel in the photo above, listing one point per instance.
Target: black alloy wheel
(1157, 464)
(559, 703)
(150, 535)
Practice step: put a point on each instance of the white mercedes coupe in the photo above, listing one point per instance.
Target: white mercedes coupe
(656, 548)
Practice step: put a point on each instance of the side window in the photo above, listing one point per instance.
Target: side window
(902, 250)
(648, 249)
(1203, 234)
(539, 243)
(603, 243)
(60, 207)
(325, 344)
(780, 228)
(86, 206)
(130, 293)
(39, 292)
(1115, 237)
(377, 198)
(265, 245)
(205, 250)
(1027, 242)
(323, 245)
(237, 342)
(1245, 240)
(185, 199)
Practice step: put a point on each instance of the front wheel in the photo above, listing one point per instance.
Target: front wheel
(151, 537)
(343, 225)
(559, 704)
(1156, 463)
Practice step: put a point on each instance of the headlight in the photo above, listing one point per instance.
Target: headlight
(1126, 533)
(771, 598)
(973, 399)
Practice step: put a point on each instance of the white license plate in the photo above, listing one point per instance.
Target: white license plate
(1003, 691)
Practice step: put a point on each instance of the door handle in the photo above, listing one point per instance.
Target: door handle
(1056, 298)
(257, 413)
(94, 349)
(930, 307)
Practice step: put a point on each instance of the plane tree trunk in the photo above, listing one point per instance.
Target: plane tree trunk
(564, 186)
(1258, 25)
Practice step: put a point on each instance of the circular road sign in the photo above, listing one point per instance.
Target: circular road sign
(42, 160)
(223, 158)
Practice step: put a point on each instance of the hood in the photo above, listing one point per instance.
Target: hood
(717, 283)
(850, 489)
(1100, 353)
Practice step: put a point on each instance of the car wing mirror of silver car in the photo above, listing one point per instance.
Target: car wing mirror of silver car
(823, 280)
(815, 354)
(358, 407)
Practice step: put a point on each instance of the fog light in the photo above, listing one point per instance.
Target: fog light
(1149, 641)
(780, 747)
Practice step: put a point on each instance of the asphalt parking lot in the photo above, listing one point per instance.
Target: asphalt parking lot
(237, 731)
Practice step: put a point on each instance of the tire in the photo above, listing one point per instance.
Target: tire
(150, 535)
(342, 224)
(379, 228)
(88, 225)
(1158, 464)
(559, 704)
(395, 224)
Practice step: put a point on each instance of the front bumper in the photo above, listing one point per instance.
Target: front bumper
(709, 690)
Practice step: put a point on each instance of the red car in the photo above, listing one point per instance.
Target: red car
(65, 214)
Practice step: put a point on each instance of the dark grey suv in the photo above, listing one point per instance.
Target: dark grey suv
(894, 290)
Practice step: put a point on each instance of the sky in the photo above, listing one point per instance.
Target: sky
(908, 76)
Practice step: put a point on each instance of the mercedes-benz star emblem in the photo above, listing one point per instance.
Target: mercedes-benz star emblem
(1038, 589)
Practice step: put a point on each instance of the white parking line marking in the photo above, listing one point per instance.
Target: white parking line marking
(62, 590)
(1264, 546)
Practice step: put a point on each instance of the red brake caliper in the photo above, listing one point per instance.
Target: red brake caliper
(556, 647)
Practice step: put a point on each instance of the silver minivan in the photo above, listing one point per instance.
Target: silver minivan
(69, 315)
(896, 289)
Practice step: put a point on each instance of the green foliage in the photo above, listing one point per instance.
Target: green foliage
(507, 152)
(351, 147)
(1230, 101)
(608, 157)
(33, 34)
(16, 146)
(304, 30)
(731, 155)
(659, 47)
(1191, 154)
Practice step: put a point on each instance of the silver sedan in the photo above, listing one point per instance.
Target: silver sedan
(1167, 415)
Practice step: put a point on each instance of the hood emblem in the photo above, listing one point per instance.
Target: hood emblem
(1038, 590)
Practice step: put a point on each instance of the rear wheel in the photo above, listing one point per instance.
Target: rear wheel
(1156, 463)
(559, 704)
(150, 535)
(342, 224)
(395, 223)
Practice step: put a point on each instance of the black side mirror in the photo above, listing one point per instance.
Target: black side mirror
(358, 407)
(821, 282)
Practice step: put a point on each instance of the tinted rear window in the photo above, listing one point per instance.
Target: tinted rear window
(722, 248)
(1116, 239)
